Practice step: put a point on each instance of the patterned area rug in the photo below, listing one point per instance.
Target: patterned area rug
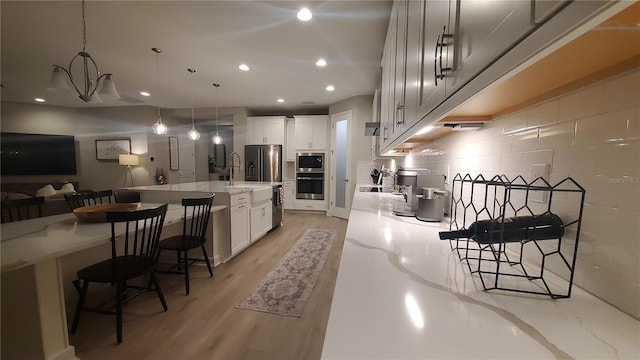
(286, 288)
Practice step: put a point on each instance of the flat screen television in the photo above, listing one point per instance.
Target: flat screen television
(37, 154)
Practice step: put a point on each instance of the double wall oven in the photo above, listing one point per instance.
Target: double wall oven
(310, 168)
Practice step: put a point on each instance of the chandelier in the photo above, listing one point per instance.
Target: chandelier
(193, 133)
(159, 128)
(91, 79)
(217, 139)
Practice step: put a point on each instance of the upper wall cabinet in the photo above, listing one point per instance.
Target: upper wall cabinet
(439, 53)
(291, 140)
(461, 38)
(311, 132)
(265, 130)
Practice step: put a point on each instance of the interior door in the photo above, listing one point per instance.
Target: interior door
(341, 188)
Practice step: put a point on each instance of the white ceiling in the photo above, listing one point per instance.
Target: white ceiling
(213, 37)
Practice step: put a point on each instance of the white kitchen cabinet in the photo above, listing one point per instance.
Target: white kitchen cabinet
(260, 220)
(311, 132)
(486, 30)
(291, 140)
(317, 205)
(431, 84)
(239, 213)
(265, 130)
(289, 194)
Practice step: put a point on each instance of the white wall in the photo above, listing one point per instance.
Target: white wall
(591, 135)
(131, 122)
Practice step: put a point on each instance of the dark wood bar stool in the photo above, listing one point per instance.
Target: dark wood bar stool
(197, 212)
(134, 257)
(20, 209)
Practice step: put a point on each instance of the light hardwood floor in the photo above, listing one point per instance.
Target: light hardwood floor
(205, 324)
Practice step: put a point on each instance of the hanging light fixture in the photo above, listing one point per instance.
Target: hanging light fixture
(193, 133)
(91, 78)
(217, 139)
(159, 128)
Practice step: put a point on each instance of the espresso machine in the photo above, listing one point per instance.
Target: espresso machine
(423, 193)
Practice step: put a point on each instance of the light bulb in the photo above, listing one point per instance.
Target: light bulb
(159, 128)
(217, 139)
(193, 134)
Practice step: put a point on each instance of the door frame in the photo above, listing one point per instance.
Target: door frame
(333, 210)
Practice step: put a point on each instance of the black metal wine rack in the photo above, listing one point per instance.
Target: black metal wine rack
(522, 266)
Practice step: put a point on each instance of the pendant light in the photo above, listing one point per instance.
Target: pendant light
(193, 133)
(217, 139)
(159, 128)
(91, 79)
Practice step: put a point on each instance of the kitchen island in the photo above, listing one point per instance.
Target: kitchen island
(402, 293)
(246, 219)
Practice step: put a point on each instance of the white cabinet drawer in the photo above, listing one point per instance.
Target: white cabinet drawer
(320, 205)
(239, 199)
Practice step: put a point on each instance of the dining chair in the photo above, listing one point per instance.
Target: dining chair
(20, 209)
(103, 197)
(197, 212)
(126, 196)
(133, 254)
(78, 200)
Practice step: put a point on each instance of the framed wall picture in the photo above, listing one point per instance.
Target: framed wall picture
(173, 153)
(110, 149)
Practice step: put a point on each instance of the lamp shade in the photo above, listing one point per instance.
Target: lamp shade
(129, 159)
(108, 89)
(58, 80)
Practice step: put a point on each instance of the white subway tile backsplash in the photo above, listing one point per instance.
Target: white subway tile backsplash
(622, 92)
(601, 129)
(512, 162)
(514, 122)
(633, 124)
(537, 157)
(543, 114)
(557, 136)
(582, 103)
(615, 160)
(593, 136)
(525, 141)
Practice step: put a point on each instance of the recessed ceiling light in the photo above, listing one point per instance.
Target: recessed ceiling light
(280, 100)
(39, 99)
(243, 67)
(321, 62)
(330, 88)
(304, 14)
(144, 93)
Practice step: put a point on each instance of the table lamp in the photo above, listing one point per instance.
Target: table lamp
(128, 160)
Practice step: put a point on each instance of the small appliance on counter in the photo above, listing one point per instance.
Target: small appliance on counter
(410, 183)
(431, 204)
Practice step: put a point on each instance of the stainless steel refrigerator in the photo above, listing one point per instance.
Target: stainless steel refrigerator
(263, 163)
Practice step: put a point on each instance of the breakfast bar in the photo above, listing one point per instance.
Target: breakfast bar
(34, 319)
(402, 293)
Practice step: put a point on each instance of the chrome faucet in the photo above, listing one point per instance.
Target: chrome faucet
(233, 166)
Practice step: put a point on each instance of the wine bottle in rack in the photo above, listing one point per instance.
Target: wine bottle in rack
(512, 229)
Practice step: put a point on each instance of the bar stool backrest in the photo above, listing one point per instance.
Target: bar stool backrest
(20, 209)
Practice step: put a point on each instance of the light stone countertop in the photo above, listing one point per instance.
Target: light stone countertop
(31, 241)
(208, 186)
(401, 293)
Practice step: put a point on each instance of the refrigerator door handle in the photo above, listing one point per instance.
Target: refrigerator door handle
(261, 160)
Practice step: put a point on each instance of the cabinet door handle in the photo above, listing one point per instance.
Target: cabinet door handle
(386, 133)
(444, 36)
(399, 120)
(436, 77)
